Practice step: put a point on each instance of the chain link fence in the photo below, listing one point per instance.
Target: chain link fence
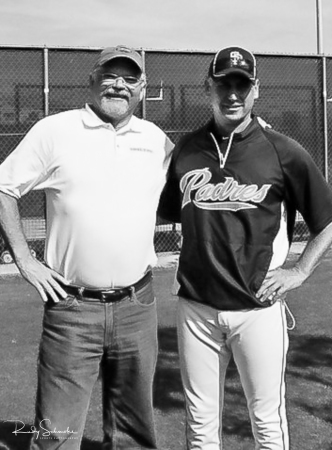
(41, 81)
(329, 114)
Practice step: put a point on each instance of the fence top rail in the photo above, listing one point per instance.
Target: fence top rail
(155, 50)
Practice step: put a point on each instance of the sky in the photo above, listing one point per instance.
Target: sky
(263, 26)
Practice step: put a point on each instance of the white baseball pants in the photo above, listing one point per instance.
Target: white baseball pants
(258, 341)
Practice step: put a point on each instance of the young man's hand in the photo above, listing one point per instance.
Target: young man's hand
(278, 282)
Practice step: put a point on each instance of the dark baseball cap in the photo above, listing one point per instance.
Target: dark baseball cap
(233, 60)
(120, 51)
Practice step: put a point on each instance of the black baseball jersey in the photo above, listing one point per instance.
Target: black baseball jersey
(237, 199)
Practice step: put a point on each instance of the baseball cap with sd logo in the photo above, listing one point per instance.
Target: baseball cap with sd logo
(233, 60)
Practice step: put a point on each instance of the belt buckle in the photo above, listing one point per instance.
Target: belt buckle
(105, 293)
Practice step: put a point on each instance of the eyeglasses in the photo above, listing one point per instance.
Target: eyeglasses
(112, 78)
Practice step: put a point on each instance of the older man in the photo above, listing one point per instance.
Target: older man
(102, 170)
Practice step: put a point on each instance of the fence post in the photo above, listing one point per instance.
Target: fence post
(325, 121)
(144, 98)
(46, 83)
(319, 26)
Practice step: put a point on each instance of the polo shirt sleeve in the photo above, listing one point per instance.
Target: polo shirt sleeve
(169, 146)
(306, 189)
(26, 167)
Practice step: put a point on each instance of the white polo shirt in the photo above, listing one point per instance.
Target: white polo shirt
(102, 190)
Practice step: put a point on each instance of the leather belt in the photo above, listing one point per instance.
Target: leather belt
(109, 295)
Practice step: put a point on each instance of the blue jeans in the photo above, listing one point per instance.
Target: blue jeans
(81, 338)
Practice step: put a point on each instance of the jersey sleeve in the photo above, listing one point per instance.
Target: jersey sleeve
(26, 167)
(170, 200)
(306, 189)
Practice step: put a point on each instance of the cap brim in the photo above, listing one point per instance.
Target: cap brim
(230, 71)
(107, 59)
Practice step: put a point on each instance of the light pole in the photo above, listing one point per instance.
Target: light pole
(319, 26)
(320, 52)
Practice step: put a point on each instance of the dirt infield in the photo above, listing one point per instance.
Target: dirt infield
(309, 373)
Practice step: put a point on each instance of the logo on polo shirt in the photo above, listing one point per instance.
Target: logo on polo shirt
(140, 149)
(228, 196)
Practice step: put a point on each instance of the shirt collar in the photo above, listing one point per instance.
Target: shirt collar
(91, 120)
(253, 125)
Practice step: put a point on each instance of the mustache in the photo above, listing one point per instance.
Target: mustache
(112, 94)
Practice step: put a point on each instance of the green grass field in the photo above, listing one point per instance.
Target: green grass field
(309, 370)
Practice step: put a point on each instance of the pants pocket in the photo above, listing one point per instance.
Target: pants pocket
(70, 302)
(145, 297)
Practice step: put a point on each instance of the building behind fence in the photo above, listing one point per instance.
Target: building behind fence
(36, 82)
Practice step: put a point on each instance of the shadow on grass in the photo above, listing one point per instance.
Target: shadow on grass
(309, 363)
(168, 391)
(313, 355)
